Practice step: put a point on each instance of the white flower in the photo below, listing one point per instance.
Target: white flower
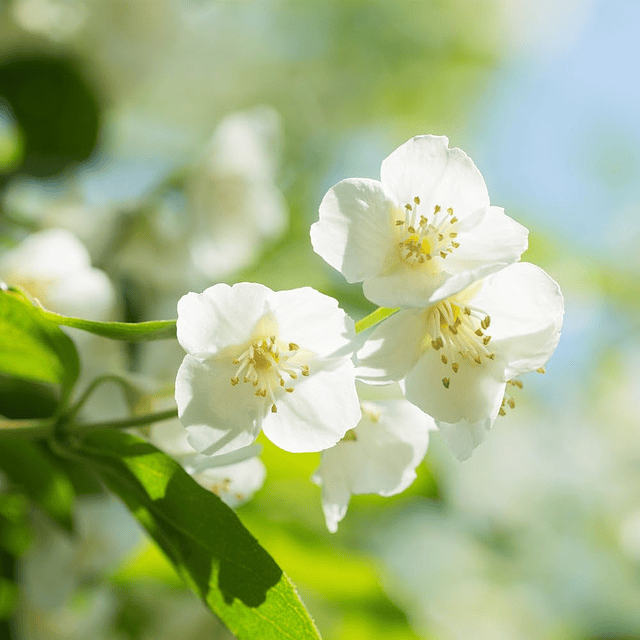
(378, 456)
(259, 359)
(233, 194)
(421, 234)
(55, 267)
(234, 477)
(458, 356)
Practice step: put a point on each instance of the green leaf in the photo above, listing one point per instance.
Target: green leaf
(213, 552)
(28, 466)
(21, 398)
(33, 348)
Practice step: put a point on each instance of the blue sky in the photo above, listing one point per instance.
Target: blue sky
(559, 137)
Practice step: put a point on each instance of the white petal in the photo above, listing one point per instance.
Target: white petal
(354, 232)
(335, 491)
(219, 418)
(220, 316)
(313, 321)
(407, 286)
(425, 167)
(526, 310)
(475, 392)
(322, 408)
(497, 239)
(393, 348)
(47, 255)
(464, 436)
(234, 483)
(391, 440)
(87, 293)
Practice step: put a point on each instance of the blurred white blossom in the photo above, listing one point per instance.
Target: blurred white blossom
(233, 477)
(233, 195)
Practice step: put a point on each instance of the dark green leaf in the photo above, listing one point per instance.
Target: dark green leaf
(28, 466)
(20, 399)
(34, 348)
(217, 557)
(8, 586)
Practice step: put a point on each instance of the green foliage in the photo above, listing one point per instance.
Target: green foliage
(216, 556)
(39, 361)
(28, 466)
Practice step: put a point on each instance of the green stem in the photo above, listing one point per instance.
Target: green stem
(135, 421)
(36, 430)
(73, 412)
(374, 318)
(127, 331)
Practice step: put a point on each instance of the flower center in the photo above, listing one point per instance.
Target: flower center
(266, 361)
(459, 333)
(424, 238)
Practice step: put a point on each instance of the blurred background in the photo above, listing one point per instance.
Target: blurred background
(152, 147)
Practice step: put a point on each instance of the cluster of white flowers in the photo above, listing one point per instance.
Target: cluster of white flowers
(470, 318)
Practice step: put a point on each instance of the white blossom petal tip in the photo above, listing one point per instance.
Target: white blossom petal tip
(258, 359)
(423, 232)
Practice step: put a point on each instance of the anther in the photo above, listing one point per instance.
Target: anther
(466, 311)
(541, 370)
(512, 403)
(502, 412)
(477, 360)
(411, 229)
(416, 200)
(455, 245)
(274, 409)
(305, 370)
(479, 332)
(446, 382)
(455, 366)
(453, 234)
(437, 209)
(288, 389)
(453, 220)
(408, 207)
(444, 359)
(450, 211)
(235, 380)
(486, 340)
(293, 346)
(399, 223)
(443, 254)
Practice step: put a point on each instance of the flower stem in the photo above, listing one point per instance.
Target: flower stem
(35, 430)
(135, 421)
(374, 318)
